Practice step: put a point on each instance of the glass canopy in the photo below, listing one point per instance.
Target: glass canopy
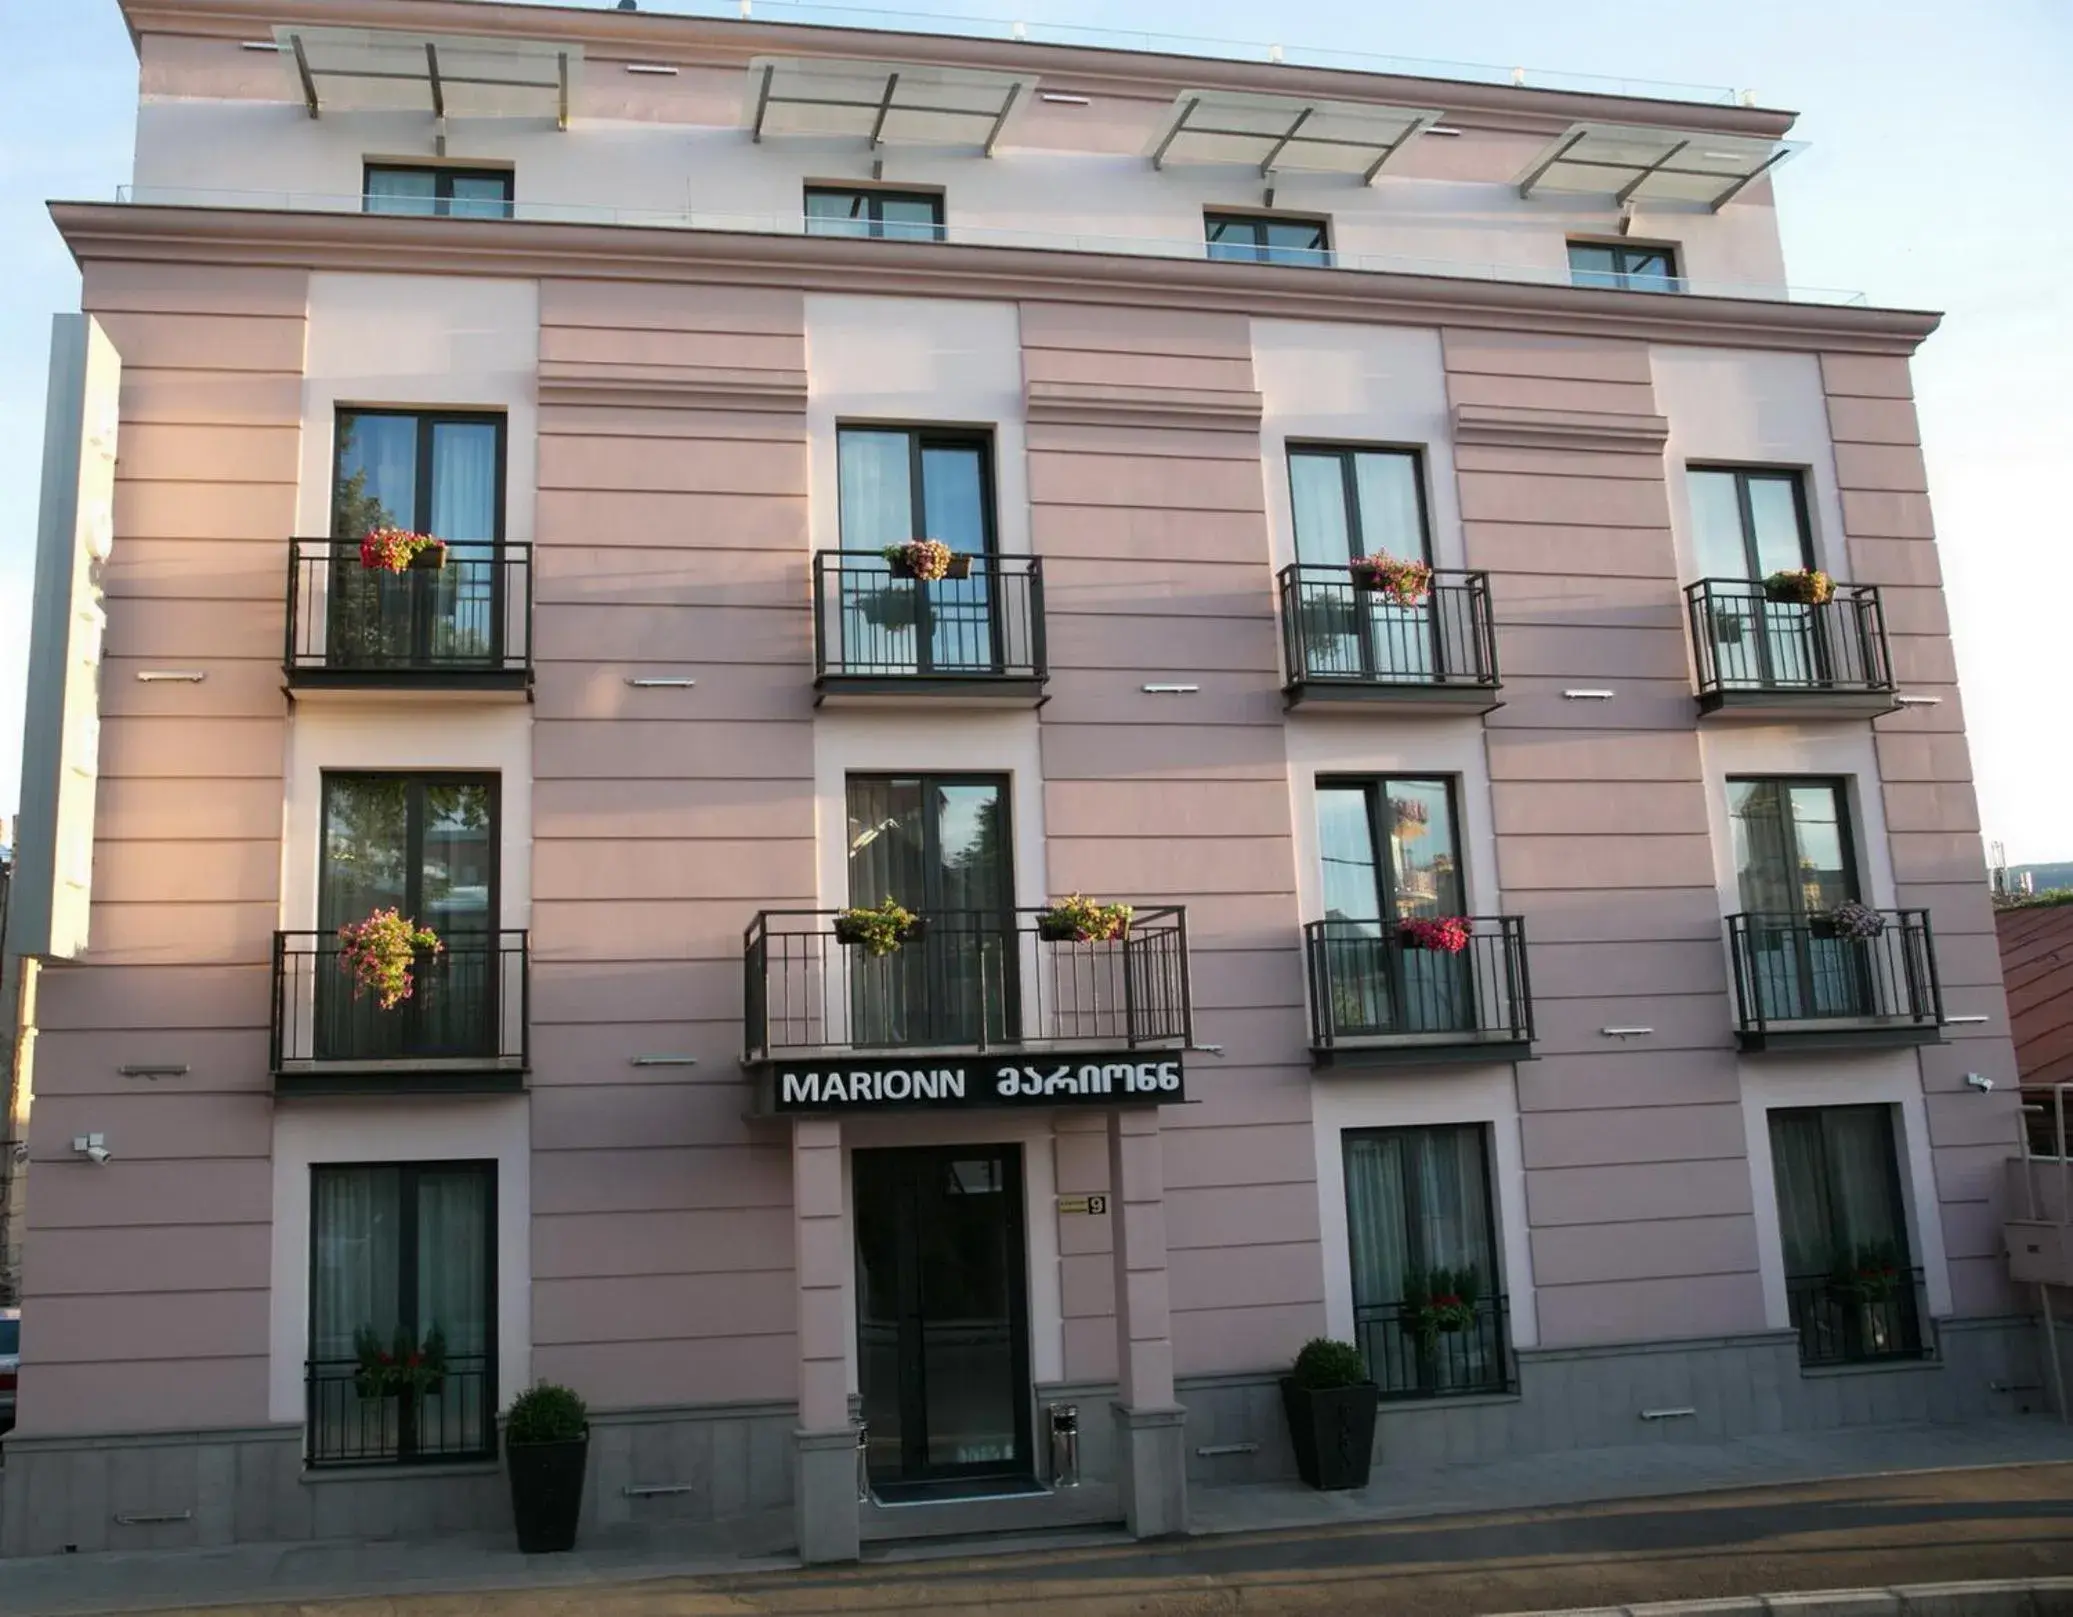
(388, 70)
(884, 103)
(1635, 164)
(1285, 133)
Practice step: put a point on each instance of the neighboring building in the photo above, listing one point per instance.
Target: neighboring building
(1163, 344)
(2037, 971)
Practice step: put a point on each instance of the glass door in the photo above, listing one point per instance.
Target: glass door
(898, 485)
(1748, 525)
(1848, 1273)
(940, 846)
(1350, 503)
(425, 846)
(1388, 849)
(1794, 863)
(437, 474)
(942, 1321)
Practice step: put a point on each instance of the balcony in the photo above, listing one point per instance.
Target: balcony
(1799, 985)
(1763, 659)
(1380, 999)
(463, 1030)
(462, 628)
(1342, 643)
(976, 640)
(1839, 1324)
(970, 981)
(457, 1421)
(1408, 1363)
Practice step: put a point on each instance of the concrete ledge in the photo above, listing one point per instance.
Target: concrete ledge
(2030, 1597)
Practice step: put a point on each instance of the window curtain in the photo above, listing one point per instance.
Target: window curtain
(464, 481)
(1835, 1172)
(453, 1246)
(356, 1251)
(1417, 1199)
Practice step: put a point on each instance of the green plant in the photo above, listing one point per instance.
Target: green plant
(925, 559)
(1324, 1364)
(878, 929)
(380, 952)
(1808, 586)
(546, 1413)
(1867, 1273)
(1440, 1301)
(1079, 919)
(403, 1366)
(394, 549)
(1405, 582)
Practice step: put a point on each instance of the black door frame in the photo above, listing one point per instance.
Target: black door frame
(1771, 616)
(912, 1394)
(1364, 607)
(1862, 985)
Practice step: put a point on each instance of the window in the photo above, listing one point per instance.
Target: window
(1748, 523)
(890, 215)
(1347, 503)
(1626, 265)
(1848, 1274)
(403, 1262)
(458, 193)
(1794, 863)
(1428, 1310)
(1254, 238)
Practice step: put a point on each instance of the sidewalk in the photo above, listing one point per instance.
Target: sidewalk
(1237, 1532)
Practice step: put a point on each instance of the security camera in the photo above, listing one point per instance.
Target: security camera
(94, 1147)
(1980, 1081)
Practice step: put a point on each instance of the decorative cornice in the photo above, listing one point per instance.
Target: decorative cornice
(1513, 426)
(708, 41)
(1102, 404)
(516, 249)
(672, 387)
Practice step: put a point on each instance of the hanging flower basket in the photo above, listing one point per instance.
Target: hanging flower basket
(397, 550)
(1079, 919)
(1447, 934)
(1848, 919)
(381, 953)
(878, 929)
(1406, 583)
(1801, 586)
(401, 1367)
(1440, 1302)
(927, 560)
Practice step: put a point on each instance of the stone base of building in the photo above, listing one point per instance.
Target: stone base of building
(746, 1464)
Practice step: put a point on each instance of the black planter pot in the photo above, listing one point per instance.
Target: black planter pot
(960, 564)
(1332, 1432)
(547, 1493)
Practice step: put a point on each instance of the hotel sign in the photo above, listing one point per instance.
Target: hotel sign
(936, 1083)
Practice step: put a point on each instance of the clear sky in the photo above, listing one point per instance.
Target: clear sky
(1939, 176)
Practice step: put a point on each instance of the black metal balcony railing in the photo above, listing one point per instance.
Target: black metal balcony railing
(1798, 978)
(1408, 1363)
(1749, 646)
(972, 980)
(1336, 634)
(1372, 984)
(985, 627)
(468, 1012)
(468, 622)
(458, 1421)
(1837, 1328)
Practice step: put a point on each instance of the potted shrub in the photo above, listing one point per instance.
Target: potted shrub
(927, 560)
(1330, 1403)
(381, 953)
(878, 929)
(1445, 934)
(546, 1441)
(1802, 586)
(396, 550)
(1406, 583)
(1079, 919)
(1848, 919)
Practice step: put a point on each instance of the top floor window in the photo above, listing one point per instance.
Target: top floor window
(456, 193)
(887, 215)
(1257, 238)
(1626, 266)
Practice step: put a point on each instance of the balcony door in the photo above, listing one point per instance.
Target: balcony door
(1389, 855)
(425, 846)
(896, 485)
(1746, 525)
(1350, 503)
(940, 845)
(436, 473)
(1794, 863)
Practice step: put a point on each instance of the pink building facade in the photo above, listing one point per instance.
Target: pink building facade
(670, 329)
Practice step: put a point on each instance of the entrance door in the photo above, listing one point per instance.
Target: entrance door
(942, 1319)
(938, 844)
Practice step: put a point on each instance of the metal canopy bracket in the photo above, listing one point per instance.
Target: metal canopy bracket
(1638, 164)
(451, 76)
(1283, 134)
(881, 103)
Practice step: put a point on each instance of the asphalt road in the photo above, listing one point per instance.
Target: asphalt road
(1929, 1527)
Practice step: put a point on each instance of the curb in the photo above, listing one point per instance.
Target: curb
(2027, 1597)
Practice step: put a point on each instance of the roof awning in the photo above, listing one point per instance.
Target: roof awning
(1652, 165)
(450, 76)
(1285, 133)
(884, 103)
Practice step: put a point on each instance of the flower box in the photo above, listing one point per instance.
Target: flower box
(1081, 920)
(1405, 582)
(1850, 919)
(1800, 586)
(381, 955)
(1445, 935)
(926, 560)
(879, 929)
(397, 550)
